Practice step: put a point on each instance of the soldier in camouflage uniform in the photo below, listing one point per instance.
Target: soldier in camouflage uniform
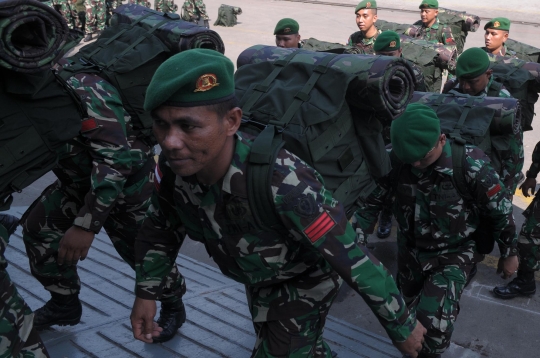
(96, 13)
(166, 6)
(105, 179)
(287, 35)
(140, 2)
(528, 240)
(193, 10)
(429, 28)
(18, 338)
(292, 274)
(366, 16)
(496, 34)
(475, 78)
(111, 6)
(69, 12)
(435, 250)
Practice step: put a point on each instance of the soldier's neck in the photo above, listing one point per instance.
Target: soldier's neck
(499, 51)
(372, 31)
(216, 169)
(431, 23)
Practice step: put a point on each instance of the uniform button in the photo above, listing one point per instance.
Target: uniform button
(96, 223)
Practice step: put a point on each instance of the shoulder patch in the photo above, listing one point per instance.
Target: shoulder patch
(89, 124)
(319, 227)
(497, 188)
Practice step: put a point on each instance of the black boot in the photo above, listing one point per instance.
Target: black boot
(10, 222)
(88, 38)
(61, 310)
(385, 224)
(522, 285)
(171, 318)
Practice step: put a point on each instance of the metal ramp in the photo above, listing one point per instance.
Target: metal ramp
(218, 321)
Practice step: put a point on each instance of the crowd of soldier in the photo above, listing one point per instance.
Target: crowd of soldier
(105, 182)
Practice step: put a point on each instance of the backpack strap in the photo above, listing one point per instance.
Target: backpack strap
(495, 88)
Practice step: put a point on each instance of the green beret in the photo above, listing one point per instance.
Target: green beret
(387, 41)
(286, 26)
(472, 63)
(415, 133)
(429, 4)
(498, 23)
(197, 77)
(366, 4)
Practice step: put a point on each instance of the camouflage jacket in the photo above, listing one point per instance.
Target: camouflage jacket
(366, 45)
(287, 273)
(432, 217)
(513, 158)
(535, 165)
(506, 53)
(100, 159)
(437, 33)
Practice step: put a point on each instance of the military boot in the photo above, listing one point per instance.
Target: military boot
(385, 224)
(60, 310)
(171, 318)
(10, 222)
(522, 285)
(88, 38)
(206, 24)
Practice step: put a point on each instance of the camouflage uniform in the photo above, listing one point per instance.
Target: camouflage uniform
(111, 6)
(194, 9)
(291, 275)
(366, 45)
(166, 6)
(140, 2)
(105, 179)
(529, 236)
(435, 250)
(96, 12)
(434, 34)
(18, 338)
(69, 12)
(506, 53)
(512, 164)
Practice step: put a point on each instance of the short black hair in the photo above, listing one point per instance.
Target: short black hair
(222, 108)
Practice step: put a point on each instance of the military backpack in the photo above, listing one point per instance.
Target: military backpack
(313, 44)
(227, 15)
(523, 51)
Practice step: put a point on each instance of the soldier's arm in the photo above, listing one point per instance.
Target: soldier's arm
(512, 165)
(492, 199)
(157, 243)
(315, 218)
(535, 165)
(105, 139)
(448, 38)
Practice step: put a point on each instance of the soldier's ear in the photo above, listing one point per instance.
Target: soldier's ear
(233, 120)
(505, 37)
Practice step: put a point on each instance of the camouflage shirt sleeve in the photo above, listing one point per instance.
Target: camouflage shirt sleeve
(492, 198)
(447, 37)
(315, 218)
(107, 144)
(159, 240)
(535, 165)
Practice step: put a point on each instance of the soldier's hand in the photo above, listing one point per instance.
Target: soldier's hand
(528, 185)
(142, 320)
(74, 245)
(508, 266)
(414, 342)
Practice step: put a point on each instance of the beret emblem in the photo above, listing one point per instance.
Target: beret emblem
(206, 82)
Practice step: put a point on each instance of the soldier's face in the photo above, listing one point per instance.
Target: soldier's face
(474, 86)
(365, 18)
(494, 39)
(287, 41)
(193, 139)
(428, 16)
(432, 156)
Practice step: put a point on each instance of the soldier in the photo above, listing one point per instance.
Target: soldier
(528, 241)
(193, 10)
(429, 27)
(495, 37)
(435, 250)
(69, 12)
(96, 13)
(287, 35)
(140, 2)
(366, 16)
(291, 274)
(166, 6)
(111, 6)
(475, 78)
(18, 337)
(104, 180)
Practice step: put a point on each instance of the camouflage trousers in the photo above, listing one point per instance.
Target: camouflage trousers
(96, 13)
(194, 9)
(432, 291)
(69, 12)
(529, 238)
(166, 6)
(141, 2)
(18, 338)
(53, 214)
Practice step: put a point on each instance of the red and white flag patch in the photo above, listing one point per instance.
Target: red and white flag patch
(88, 125)
(319, 227)
(494, 190)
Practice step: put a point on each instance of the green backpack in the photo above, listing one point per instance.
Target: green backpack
(310, 117)
(489, 123)
(40, 113)
(523, 51)
(227, 15)
(312, 44)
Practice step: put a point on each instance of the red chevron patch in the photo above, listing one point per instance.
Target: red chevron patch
(319, 227)
(89, 124)
(494, 190)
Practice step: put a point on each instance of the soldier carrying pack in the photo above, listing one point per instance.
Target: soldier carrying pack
(227, 15)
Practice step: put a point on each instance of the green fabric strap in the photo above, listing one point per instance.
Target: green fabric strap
(261, 88)
(352, 182)
(331, 136)
(494, 89)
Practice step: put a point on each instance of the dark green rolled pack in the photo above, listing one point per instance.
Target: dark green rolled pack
(33, 36)
(326, 108)
(313, 44)
(523, 51)
(227, 15)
